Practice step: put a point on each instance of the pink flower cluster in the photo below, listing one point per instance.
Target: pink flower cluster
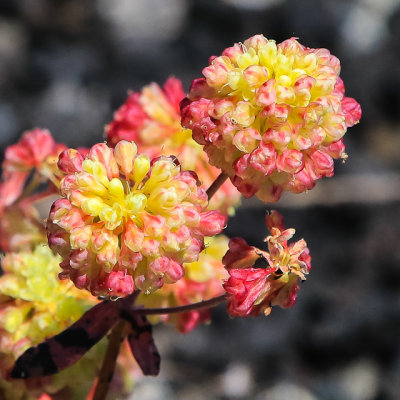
(272, 117)
(202, 281)
(258, 279)
(151, 118)
(126, 221)
(36, 150)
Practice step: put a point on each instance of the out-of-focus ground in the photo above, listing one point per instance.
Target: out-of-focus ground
(66, 65)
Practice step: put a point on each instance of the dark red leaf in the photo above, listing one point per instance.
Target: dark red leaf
(141, 343)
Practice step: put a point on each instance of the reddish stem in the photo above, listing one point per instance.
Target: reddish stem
(117, 335)
(189, 307)
(221, 178)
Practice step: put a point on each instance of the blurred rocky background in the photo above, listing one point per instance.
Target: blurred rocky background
(66, 65)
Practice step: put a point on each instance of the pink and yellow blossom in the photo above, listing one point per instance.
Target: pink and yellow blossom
(37, 151)
(202, 281)
(261, 279)
(35, 305)
(152, 119)
(126, 221)
(272, 117)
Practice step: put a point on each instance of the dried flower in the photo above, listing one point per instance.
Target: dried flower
(203, 280)
(271, 116)
(260, 279)
(152, 119)
(125, 221)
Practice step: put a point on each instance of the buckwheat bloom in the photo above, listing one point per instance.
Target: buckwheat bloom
(203, 280)
(152, 119)
(126, 221)
(261, 279)
(37, 151)
(272, 117)
(35, 305)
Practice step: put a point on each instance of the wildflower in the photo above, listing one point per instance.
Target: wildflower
(272, 117)
(152, 119)
(202, 281)
(125, 221)
(37, 151)
(261, 279)
(35, 305)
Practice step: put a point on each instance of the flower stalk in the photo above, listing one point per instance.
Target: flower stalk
(219, 181)
(120, 331)
(180, 309)
(117, 336)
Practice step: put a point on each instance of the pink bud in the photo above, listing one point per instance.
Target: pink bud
(336, 149)
(240, 254)
(322, 164)
(233, 52)
(70, 161)
(211, 223)
(266, 94)
(246, 188)
(119, 283)
(352, 111)
(263, 158)
(174, 272)
(101, 152)
(216, 73)
(290, 161)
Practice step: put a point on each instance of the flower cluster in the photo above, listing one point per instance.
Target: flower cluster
(203, 280)
(272, 117)
(130, 219)
(35, 305)
(260, 279)
(36, 150)
(151, 118)
(126, 221)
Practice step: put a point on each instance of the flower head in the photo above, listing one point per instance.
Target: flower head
(260, 279)
(35, 305)
(36, 150)
(271, 116)
(126, 221)
(152, 119)
(203, 280)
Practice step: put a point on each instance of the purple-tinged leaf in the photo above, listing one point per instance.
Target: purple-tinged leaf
(141, 343)
(66, 348)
